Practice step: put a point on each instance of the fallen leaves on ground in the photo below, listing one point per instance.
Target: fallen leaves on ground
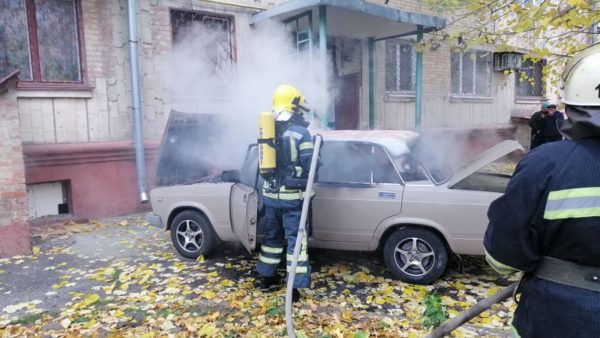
(123, 279)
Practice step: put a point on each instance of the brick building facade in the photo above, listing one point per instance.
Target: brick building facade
(69, 135)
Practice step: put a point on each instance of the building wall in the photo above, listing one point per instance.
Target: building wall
(14, 229)
(102, 114)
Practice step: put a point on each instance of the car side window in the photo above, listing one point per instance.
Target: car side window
(355, 163)
(410, 168)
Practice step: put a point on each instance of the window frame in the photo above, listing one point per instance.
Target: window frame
(231, 19)
(397, 44)
(542, 63)
(36, 83)
(474, 94)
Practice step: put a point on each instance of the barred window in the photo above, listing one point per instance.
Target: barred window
(217, 28)
(529, 79)
(400, 67)
(472, 73)
(42, 39)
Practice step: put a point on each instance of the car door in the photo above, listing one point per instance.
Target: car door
(357, 188)
(243, 204)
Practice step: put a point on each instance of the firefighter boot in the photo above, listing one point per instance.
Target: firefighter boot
(295, 295)
(267, 282)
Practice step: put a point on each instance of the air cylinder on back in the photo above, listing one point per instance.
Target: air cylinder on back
(267, 155)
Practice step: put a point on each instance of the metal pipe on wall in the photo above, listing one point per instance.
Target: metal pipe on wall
(140, 162)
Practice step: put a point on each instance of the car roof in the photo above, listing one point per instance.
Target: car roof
(397, 142)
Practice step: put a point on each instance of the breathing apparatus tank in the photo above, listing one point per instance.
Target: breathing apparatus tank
(267, 154)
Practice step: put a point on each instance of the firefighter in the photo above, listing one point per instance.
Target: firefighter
(283, 193)
(547, 224)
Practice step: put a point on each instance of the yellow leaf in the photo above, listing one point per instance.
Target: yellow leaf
(124, 223)
(227, 282)
(208, 330)
(413, 334)
(209, 294)
(347, 316)
(65, 323)
(91, 299)
(36, 250)
(2, 271)
(60, 285)
(200, 259)
(119, 314)
(91, 323)
(147, 335)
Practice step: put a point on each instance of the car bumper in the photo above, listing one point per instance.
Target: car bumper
(155, 220)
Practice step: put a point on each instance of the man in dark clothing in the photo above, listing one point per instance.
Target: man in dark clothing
(283, 197)
(547, 224)
(544, 125)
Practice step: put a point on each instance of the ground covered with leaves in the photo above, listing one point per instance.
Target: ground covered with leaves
(123, 278)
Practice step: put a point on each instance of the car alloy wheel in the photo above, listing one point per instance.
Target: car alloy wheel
(192, 234)
(189, 235)
(415, 255)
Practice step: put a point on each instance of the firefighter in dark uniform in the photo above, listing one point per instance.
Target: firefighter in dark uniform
(283, 197)
(547, 224)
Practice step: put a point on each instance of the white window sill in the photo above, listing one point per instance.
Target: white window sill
(474, 99)
(399, 97)
(530, 99)
(71, 94)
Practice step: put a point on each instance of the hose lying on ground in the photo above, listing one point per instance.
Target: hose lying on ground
(472, 312)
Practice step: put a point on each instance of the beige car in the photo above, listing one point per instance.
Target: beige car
(376, 190)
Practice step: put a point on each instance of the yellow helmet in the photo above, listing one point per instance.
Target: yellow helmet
(288, 98)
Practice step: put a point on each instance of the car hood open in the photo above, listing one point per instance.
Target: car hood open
(488, 156)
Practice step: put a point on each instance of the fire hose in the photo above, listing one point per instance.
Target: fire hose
(289, 320)
(472, 312)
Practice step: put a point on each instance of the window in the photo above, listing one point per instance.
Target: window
(355, 163)
(472, 73)
(216, 30)
(400, 67)
(529, 79)
(42, 39)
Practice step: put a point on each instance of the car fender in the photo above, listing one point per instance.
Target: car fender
(397, 221)
(223, 231)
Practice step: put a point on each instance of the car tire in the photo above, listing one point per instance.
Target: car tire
(415, 255)
(192, 234)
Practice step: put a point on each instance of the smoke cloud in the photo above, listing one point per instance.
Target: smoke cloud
(201, 78)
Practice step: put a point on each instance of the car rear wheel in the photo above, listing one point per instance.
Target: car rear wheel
(415, 255)
(192, 234)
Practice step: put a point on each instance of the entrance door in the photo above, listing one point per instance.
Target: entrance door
(347, 102)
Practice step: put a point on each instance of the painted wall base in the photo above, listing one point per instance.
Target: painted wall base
(101, 176)
(15, 239)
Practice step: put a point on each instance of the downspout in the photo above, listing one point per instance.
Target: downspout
(140, 162)
(371, 43)
(323, 56)
(419, 81)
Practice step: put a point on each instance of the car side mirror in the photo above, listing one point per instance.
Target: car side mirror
(231, 176)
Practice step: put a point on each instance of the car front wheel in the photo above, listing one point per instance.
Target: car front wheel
(192, 234)
(415, 255)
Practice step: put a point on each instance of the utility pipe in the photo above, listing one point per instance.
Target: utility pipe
(419, 82)
(289, 319)
(140, 162)
(323, 57)
(371, 44)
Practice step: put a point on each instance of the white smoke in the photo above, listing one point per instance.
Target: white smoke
(200, 79)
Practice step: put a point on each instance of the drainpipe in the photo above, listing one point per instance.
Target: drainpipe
(323, 55)
(419, 82)
(140, 162)
(371, 83)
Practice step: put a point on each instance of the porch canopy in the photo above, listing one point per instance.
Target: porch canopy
(360, 20)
